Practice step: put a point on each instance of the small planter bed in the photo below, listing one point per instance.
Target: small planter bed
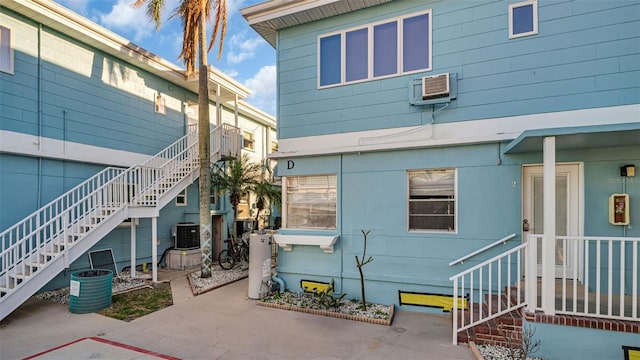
(344, 309)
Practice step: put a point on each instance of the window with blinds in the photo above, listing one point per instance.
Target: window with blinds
(310, 202)
(432, 200)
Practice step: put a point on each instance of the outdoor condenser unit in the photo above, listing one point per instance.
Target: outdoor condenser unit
(186, 236)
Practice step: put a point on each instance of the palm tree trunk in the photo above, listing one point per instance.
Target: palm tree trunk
(204, 152)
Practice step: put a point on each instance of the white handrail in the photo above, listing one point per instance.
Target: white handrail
(489, 278)
(503, 240)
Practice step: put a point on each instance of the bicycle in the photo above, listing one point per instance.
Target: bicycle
(234, 253)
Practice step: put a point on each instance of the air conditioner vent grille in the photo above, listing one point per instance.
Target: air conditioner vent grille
(435, 86)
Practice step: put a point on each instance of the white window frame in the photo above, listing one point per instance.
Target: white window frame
(9, 69)
(534, 4)
(182, 195)
(370, 27)
(455, 202)
(285, 205)
(248, 137)
(160, 104)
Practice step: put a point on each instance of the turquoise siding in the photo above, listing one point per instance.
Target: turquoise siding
(372, 195)
(94, 99)
(586, 55)
(65, 90)
(566, 342)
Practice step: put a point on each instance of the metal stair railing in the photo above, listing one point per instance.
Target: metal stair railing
(48, 234)
(498, 276)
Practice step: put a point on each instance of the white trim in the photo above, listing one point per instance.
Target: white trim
(8, 70)
(399, 20)
(31, 145)
(284, 202)
(325, 242)
(455, 202)
(183, 194)
(453, 133)
(534, 4)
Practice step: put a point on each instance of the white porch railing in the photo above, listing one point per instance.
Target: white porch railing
(595, 276)
(30, 248)
(494, 282)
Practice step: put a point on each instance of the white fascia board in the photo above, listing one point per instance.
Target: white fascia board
(62, 19)
(278, 8)
(78, 27)
(450, 134)
(30, 145)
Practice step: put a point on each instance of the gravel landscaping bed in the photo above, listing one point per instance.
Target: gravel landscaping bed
(311, 303)
(495, 352)
(218, 278)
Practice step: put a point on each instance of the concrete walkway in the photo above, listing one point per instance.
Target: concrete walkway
(223, 324)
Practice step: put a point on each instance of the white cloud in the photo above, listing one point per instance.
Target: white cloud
(79, 6)
(124, 17)
(263, 89)
(241, 49)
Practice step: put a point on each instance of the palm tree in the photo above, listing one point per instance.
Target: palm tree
(266, 192)
(238, 178)
(194, 15)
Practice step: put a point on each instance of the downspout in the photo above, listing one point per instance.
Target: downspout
(280, 282)
(340, 227)
(39, 195)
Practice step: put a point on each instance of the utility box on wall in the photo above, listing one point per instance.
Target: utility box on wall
(619, 209)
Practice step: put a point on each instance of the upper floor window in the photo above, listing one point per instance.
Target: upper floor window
(432, 200)
(388, 48)
(159, 105)
(310, 202)
(523, 19)
(247, 140)
(6, 51)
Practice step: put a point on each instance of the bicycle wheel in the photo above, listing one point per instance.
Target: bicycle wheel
(245, 253)
(225, 260)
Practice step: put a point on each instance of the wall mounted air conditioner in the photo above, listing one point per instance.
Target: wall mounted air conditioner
(186, 236)
(435, 86)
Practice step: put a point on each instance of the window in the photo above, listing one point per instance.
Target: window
(432, 200)
(393, 47)
(247, 140)
(523, 19)
(181, 198)
(310, 202)
(274, 146)
(159, 105)
(6, 51)
(244, 211)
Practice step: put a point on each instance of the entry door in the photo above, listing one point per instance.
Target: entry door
(567, 209)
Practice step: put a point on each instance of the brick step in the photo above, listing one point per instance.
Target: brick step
(504, 330)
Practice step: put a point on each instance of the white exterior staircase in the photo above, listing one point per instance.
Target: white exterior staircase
(39, 247)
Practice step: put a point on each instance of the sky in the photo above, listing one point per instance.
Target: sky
(246, 56)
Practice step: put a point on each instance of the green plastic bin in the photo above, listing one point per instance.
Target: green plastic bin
(90, 290)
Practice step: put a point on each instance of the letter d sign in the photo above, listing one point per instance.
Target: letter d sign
(290, 164)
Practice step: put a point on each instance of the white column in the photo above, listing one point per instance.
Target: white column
(218, 107)
(133, 247)
(549, 241)
(154, 249)
(235, 110)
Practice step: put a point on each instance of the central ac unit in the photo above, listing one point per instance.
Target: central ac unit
(186, 236)
(435, 86)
